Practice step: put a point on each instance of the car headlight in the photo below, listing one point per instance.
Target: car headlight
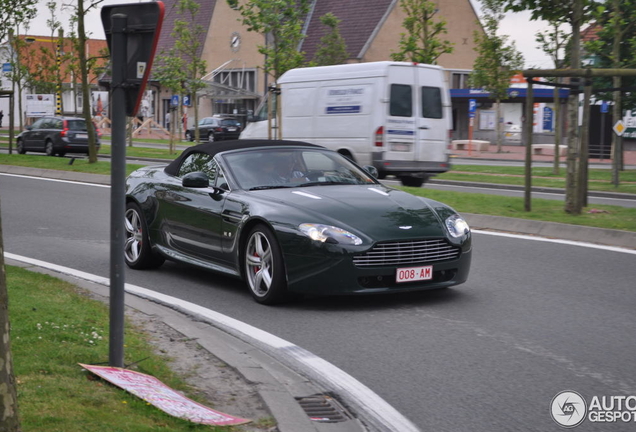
(457, 226)
(329, 234)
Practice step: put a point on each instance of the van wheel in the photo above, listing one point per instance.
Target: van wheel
(412, 181)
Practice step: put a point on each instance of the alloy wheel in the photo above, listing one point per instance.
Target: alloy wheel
(134, 236)
(259, 263)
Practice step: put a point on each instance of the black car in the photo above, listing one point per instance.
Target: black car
(291, 217)
(56, 136)
(216, 129)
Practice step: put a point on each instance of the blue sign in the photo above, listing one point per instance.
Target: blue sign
(6, 67)
(175, 100)
(547, 118)
(472, 105)
(346, 109)
(186, 100)
(604, 107)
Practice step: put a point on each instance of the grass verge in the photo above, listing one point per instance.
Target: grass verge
(599, 216)
(53, 328)
(61, 163)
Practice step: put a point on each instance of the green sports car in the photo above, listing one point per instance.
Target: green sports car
(291, 217)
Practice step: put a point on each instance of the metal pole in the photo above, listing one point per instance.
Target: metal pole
(117, 191)
(528, 121)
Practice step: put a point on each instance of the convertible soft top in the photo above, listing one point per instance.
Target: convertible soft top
(217, 147)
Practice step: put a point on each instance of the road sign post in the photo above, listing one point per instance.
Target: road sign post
(472, 108)
(132, 31)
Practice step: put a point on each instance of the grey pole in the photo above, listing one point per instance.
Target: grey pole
(118, 190)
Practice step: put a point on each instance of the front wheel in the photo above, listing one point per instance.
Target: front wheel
(264, 267)
(210, 137)
(137, 250)
(412, 181)
(48, 148)
(189, 136)
(20, 147)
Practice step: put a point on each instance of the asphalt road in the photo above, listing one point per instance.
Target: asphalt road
(534, 318)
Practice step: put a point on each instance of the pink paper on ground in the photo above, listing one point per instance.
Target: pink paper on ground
(163, 397)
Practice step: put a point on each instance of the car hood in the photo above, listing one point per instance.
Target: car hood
(370, 210)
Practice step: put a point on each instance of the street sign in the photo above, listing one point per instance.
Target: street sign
(604, 107)
(174, 101)
(6, 67)
(142, 29)
(186, 100)
(619, 128)
(472, 105)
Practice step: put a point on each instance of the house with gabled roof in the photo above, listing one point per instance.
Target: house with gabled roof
(371, 30)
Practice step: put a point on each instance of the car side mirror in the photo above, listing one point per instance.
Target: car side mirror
(196, 179)
(373, 171)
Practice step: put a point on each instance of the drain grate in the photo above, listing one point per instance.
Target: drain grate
(323, 408)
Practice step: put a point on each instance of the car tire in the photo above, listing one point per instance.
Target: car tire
(20, 147)
(48, 148)
(138, 252)
(189, 136)
(210, 137)
(412, 181)
(264, 266)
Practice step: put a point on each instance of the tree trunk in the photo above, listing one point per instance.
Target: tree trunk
(86, 96)
(585, 145)
(572, 202)
(617, 112)
(9, 420)
(498, 126)
(528, 120)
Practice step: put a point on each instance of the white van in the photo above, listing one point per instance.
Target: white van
(395, 116)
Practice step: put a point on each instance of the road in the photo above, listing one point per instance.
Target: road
(534, 319)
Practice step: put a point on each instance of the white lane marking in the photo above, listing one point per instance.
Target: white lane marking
(55, 180)
(552, 240)
(362, 397)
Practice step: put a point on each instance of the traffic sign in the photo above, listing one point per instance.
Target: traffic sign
(142, 29)
(174, 101)
(186, 100)
(472, 105)
(619, 128)
(604, 107)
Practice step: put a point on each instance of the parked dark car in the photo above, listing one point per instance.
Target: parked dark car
(291, 217)
(216, 129)
(56, 136)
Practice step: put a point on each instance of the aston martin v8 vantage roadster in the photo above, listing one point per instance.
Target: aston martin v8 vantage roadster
(291, 217)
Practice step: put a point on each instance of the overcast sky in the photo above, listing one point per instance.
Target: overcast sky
(518, 26)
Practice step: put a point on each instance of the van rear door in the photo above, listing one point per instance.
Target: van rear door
(400, 127)
(432, 106)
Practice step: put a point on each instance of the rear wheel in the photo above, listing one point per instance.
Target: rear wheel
(264, 267)
(189, 136)
(137, 249)
(412, 181)
(20, 147)
(210, 137)
(48, 148)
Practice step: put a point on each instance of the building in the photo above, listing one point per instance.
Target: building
(371, 30)
(41, 55)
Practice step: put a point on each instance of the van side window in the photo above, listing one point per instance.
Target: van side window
(432, 102)
(401, 102)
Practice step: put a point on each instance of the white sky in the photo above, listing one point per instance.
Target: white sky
(518, 26)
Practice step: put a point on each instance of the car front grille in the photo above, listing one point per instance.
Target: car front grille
(405, 253)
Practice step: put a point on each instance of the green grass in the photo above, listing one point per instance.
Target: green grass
(61, 164)
(600, 216)
(53, 329)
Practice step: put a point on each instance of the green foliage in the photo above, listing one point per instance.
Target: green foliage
(554, 42)
(332, 49)
(497, 61)
(282, 23)
(15, 13)
(422, 43)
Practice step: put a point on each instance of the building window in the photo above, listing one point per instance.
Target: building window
(459, 80)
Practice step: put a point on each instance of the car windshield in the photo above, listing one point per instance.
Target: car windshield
(284, 167)
(78, 125)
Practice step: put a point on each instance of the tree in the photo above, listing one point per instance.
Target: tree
(14, 13)
(497, 61)
(553, 42)
(181, 68)
(616, 24)
(9, 421)
(574, 12)
(332, 49)
(421, 43)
